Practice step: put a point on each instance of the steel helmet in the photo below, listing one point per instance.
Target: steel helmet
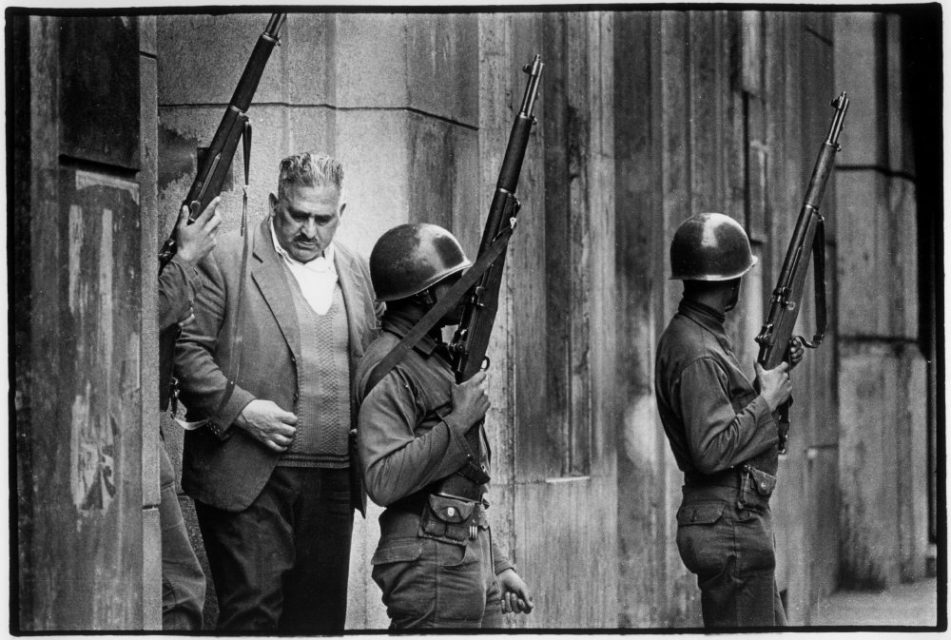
(410, 258)
(712, 247)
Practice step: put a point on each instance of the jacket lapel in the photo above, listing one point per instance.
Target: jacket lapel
(350, 281)
(270, 277)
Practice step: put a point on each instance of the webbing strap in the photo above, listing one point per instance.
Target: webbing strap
(440, 309)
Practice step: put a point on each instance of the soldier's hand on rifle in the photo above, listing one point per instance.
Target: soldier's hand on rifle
(795, 352)
(195, 240)
(268, 424)
(516, 596)
(774, 385)
(470, 401)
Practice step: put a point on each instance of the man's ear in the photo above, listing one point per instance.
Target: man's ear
(272, 202)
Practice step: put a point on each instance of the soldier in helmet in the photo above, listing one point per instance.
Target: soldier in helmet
(436, 563)
(721, 429)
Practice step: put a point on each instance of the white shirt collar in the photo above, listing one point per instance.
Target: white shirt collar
(320, 263)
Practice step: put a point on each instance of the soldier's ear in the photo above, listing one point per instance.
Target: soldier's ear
(272, 202)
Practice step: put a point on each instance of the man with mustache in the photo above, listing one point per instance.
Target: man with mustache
(270, 469)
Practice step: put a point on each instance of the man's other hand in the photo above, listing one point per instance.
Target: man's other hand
(774, 385)
(470, 401)
(195, 240)
(516, 596)
(268, 424)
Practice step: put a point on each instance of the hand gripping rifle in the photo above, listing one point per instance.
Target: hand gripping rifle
(212, 171)
(481, 283)
(809, 235)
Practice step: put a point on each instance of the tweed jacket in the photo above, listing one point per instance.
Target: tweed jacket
(222, 465)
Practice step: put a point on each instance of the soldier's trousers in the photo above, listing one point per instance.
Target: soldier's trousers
(430, 584)
(183, 581)
(730, 549)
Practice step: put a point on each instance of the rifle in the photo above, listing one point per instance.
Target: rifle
(481, 283)
(216, 164)
(212, 171)
(809, 235)
(471, 339)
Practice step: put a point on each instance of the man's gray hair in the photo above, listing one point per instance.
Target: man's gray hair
(309, 170)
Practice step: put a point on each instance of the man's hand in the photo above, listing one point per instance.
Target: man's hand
(268, 424)
(195, 240)
(774, 385)
(516, 596)
(470, 401)
(795, 352)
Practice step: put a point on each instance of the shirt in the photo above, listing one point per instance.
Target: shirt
(713, 416)
(317, 278)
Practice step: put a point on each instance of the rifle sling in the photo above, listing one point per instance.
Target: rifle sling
(819, 271)
(439, 310)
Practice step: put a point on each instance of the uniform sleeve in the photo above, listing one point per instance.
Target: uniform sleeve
(396, 462)
(203, 382)
(178, 286)
(719, 437)
(500, 560)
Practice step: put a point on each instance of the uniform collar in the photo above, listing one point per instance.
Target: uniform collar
(400, 326)
(707, 317)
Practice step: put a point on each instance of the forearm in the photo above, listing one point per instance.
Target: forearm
(178, 286)
(719, 436)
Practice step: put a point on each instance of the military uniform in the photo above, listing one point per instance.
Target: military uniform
(183, 581)
(724, 439)
(435, 563)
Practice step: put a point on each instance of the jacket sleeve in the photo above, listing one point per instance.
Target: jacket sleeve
(178, 286)
(397, 462)
(202, 380)
(717, 436)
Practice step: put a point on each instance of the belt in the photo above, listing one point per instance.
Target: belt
(443, 517)
(726, 478)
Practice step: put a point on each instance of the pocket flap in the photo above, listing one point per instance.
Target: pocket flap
(451, 510)
(400, 550)
(703, 513)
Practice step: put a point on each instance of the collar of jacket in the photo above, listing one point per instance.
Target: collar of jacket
(707, 317)
(400, 326)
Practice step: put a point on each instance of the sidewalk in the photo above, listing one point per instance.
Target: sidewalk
(913, 604)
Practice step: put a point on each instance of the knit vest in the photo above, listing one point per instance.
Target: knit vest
(323, 386)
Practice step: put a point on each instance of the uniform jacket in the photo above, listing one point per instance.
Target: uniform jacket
(405, 443)
(714, 418)
(222, 465)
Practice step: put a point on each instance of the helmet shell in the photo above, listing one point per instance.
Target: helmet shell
(410, 258)
(712, 247)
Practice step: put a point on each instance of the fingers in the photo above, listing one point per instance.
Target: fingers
(783, 367)
(209, 218)
(182, 217)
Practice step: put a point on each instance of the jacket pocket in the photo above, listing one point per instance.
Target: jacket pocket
(702, 542)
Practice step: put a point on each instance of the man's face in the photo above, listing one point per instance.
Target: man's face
(439, 292)
(734, 295)
(306, 219)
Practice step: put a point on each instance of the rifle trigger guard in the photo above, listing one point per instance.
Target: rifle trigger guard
(485, 364)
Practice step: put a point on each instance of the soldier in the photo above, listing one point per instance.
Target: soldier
(436, 562)
(183, 581)
(721, 429)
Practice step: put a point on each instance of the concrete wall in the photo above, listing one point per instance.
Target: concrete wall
(82, 531)
(882, 377)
